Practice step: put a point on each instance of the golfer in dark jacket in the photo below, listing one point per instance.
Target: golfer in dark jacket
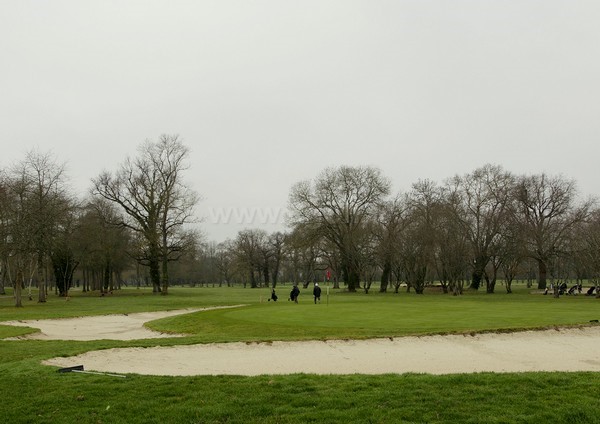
(317, 292)
(295, 293)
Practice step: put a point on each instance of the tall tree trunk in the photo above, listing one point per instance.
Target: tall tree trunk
(2, 280)
(19, 288)
(275, 273)
(352, 279)
(96, 283)
(84, 275)
(165, 275)
(543, 273)
(41, 280)
(490, 283)
(41, 286)
(385, 276)
(457, 287)
(155, 254)
(509, 281)
(478, 272)
(253, 283)
(106, 278)
(165, 262)
(155, 274)
(419, 286)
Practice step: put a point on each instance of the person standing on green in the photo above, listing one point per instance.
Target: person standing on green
(295, 293)
(317, 293)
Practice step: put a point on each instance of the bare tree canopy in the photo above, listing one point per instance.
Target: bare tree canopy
(156, 201)
(484, 200)
(36, 214)
(547, 211)
(338, 206)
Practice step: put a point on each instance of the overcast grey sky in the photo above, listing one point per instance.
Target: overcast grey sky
(267, 93)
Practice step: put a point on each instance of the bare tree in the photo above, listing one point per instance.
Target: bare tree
(224, 259)
(156, 202)
(103, 249)
(18, 243)
(338, 205)
(4, 230)
(366, 254)
(587, 242)
(207, 261)
(197, 263)
(484, 202)
(512, 253)
(391, 219)
(37, 210)
(547, 210)
(277, 247)
(418, 241)
(249, 251)
(304, 247)
(451, 246)
(64, 262)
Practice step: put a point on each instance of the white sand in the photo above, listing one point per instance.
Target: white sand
(110, 327)
(551, 350)
(548, 350)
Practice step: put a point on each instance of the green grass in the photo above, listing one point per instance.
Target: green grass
(383, 315)
(32, 393)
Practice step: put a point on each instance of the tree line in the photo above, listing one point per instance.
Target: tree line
(470, 231)
(135, 217)
(344, 225)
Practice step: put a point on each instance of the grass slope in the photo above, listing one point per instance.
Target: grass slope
(33, 393)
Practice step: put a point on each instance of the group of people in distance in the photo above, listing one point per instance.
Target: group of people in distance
(296, 292)
(576, 289)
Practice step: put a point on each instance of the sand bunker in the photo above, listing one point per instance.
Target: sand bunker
(575, 349)
(109, 327)
(550, 350)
